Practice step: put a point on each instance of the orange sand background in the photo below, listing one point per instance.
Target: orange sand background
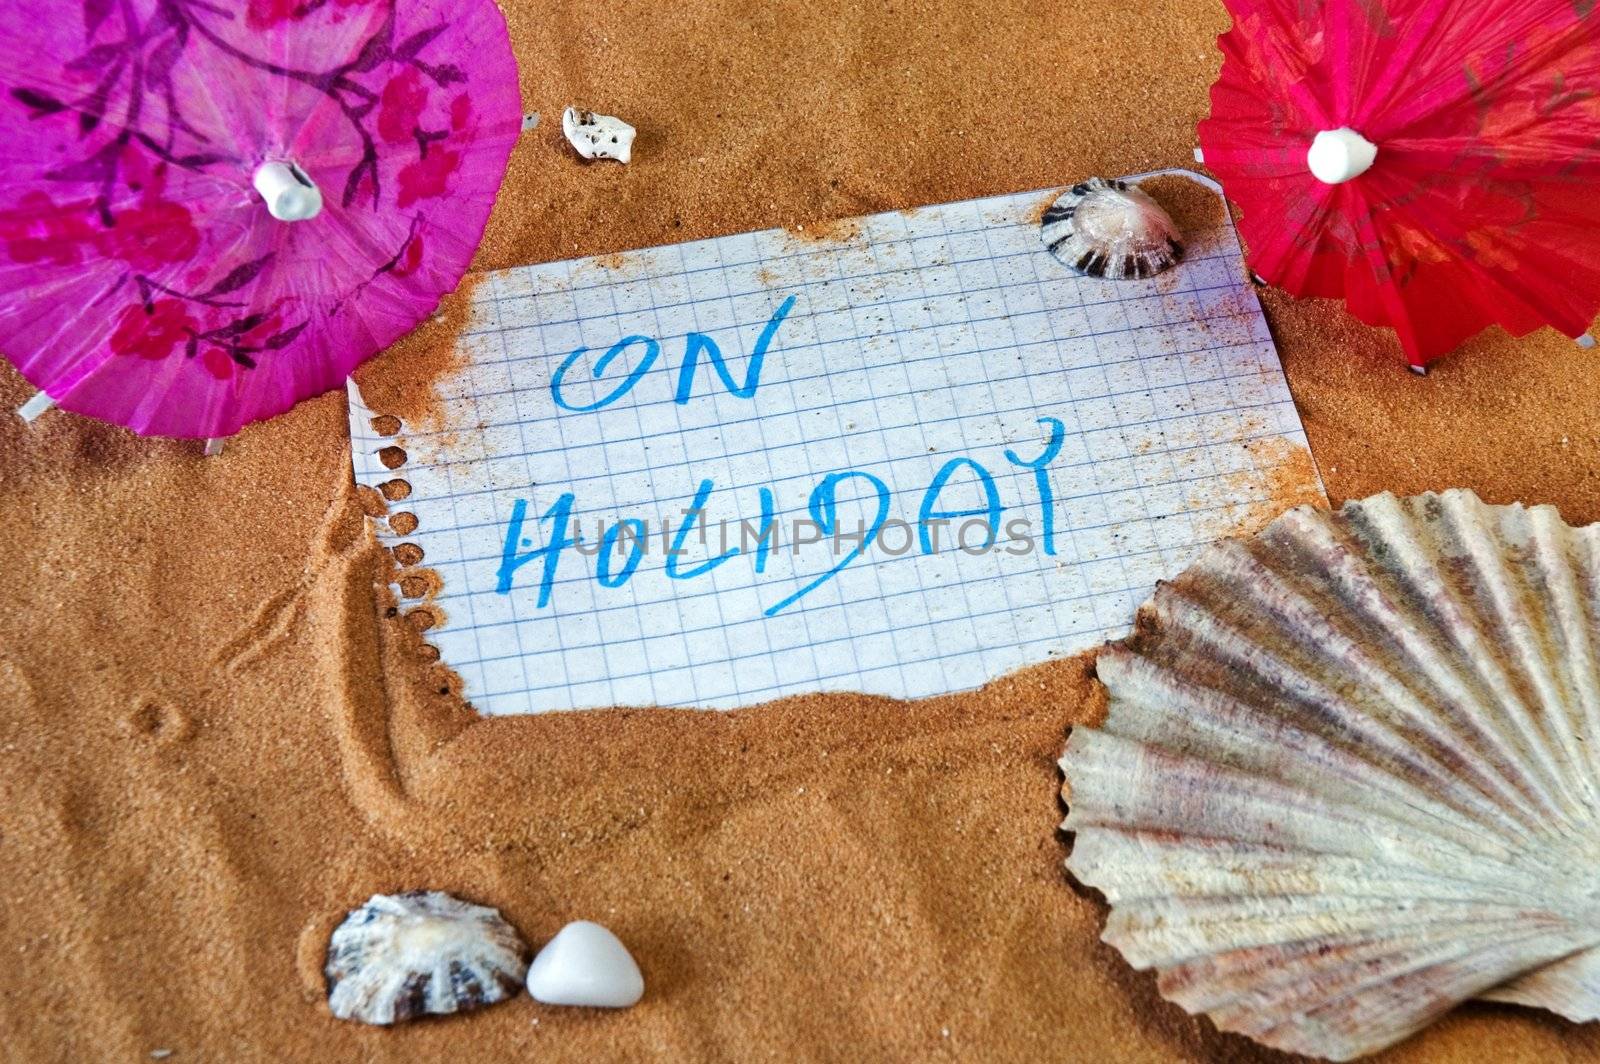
(215, 740)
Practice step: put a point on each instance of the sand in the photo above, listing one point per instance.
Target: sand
(216, 740)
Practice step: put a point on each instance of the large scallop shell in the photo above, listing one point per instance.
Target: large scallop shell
(423, 952)
(1110, 229)
(1349, 775)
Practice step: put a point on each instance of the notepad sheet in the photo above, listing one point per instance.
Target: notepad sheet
(903, 457)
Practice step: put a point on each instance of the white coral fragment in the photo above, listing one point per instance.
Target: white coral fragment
(597, 136)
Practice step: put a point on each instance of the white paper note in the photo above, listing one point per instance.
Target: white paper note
(918, 454)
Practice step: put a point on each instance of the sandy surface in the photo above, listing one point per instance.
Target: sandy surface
(215, 740)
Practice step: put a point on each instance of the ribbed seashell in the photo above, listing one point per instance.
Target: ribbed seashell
(1110, 229)
(424, 952)
(1350, 773)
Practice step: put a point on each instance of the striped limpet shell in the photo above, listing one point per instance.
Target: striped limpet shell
(421, 953)
(1110, 229)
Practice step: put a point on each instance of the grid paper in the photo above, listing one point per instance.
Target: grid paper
(918, 339)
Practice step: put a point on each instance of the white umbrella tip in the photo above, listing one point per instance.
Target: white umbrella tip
(30, 411)
(1337, 155)
(290, 195)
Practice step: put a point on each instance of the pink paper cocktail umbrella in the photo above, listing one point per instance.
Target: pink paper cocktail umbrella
(1432, 162)
(211, 209)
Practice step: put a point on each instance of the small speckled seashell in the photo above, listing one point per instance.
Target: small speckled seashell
(1110, 229)
(424, 952)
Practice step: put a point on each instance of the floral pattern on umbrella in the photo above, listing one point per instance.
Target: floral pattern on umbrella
(146, 281)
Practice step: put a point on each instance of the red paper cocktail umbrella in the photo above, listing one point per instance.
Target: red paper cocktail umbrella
(211, 209)
(1436, 163)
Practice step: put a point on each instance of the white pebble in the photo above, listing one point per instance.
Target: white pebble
(597, 136)
(585, 965)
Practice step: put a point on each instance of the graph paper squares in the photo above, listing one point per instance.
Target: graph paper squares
(924, 336)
